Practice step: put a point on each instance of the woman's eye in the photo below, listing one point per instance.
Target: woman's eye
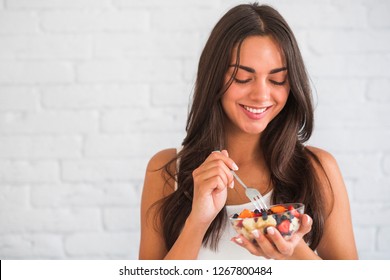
(242, 81)
(278, 83)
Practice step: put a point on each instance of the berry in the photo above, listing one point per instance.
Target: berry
(257, 213)
(284, 227)
(277, 218)
(293, 211)
(264, 214)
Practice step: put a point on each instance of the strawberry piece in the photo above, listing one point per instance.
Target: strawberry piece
(284, 227)
(293, 211)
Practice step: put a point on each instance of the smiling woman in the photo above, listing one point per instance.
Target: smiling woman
(252, 102)
(260, 87)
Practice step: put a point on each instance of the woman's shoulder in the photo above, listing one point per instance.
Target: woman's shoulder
(158, 183)
(328, 172)
(326, 159)
(161, 158)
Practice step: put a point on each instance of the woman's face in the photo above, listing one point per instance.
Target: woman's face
(260, 88)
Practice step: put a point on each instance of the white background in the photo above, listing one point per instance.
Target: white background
(91, 89)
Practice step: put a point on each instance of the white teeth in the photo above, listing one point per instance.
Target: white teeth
(255, 111)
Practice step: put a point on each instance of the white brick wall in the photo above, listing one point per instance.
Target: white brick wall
(91, 89)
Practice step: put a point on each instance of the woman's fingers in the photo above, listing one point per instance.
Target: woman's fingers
(224, 156)
(216, 165)
(306, 223)
(272, 244)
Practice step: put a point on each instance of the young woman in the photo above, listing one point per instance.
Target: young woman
(251, 112)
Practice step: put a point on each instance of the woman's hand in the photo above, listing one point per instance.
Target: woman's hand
(272, 245)
(211, 180)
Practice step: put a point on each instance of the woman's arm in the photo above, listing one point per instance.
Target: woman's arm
(338, 240)
(210, 191)
(152, 244)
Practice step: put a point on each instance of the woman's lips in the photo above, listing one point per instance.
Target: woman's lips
(255, 112)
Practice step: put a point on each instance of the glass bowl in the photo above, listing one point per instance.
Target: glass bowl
(286, 218)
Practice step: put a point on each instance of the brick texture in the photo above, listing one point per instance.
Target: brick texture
(91, 89)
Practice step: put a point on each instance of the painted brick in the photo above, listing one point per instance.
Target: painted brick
(31, 246)
(171, 45)
(94, 21)
(99, 244)
(84, 195)
(46, 47)
(18, 22)
(49, 122)
(58, 4)
(18, 98)
(378, 14)
(117, 146)
(95, 96)
(91, 89)
(35, 72)
(134, 71)
(50, 220)
(29, 172)
(157, 120)
(384, 239)
(379, 90)
(364, 190)
(103, 170)
(40, 147)
(122, 219)
(365, 239)
(14, 197)
(386, 164)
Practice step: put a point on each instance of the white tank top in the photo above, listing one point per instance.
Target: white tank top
(227, 249)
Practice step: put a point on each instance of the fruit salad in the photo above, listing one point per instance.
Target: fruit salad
(284, 217)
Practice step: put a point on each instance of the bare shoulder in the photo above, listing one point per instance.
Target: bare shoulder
(338, 239)
(157, 185)
(157, 180)
(330, 175)
(160, 159)
(328, 162)
(325, 157)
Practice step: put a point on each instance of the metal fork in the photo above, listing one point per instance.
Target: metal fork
(254, 195)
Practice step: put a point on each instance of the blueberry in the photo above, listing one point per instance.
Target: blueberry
(284, 218)
(264, 214)
(235, 216)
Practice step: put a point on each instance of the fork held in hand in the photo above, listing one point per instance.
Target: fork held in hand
(254, 195)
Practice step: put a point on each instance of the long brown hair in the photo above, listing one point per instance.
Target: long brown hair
(291, 164)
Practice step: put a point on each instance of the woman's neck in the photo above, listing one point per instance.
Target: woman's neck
(244, 148)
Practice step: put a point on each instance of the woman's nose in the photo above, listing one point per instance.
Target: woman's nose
(260, 90)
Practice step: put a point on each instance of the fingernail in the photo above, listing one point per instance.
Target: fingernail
(231, 184)
(309, 220)
(234, 166)
(256, 233)
(270, 230)
(216, 151)
(239, 240)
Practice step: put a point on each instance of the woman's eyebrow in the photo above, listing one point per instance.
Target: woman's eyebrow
(273, 71)
(251, 70)
(246, 68)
